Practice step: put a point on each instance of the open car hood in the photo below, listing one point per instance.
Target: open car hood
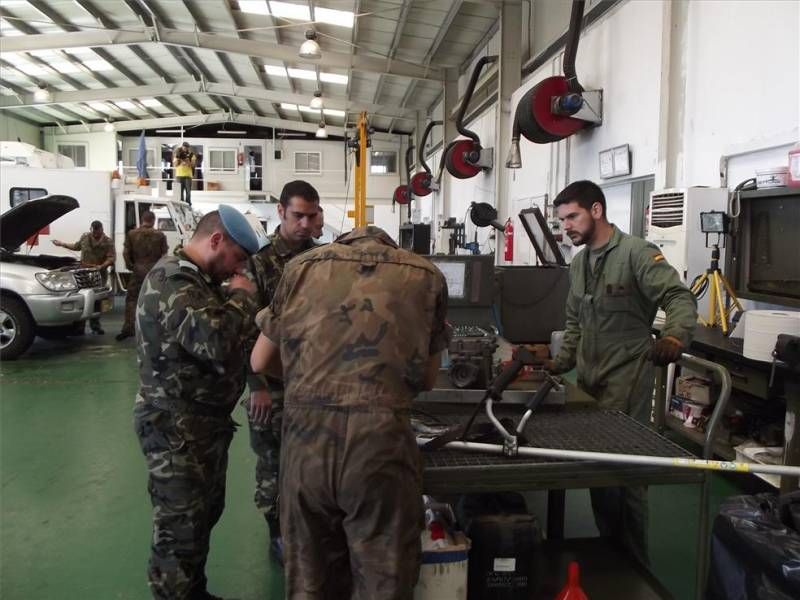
(24, 220)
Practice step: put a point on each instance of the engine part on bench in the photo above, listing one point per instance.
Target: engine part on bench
(471, 362)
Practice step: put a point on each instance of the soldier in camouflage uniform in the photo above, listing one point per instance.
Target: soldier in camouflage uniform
(97, 250)
(192, 371)
(358, 326)
(143, 247)
(616, 286)
(298, 212)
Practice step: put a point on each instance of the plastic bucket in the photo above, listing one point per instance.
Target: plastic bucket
(443, 574)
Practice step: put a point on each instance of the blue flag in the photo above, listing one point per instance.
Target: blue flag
(141, 159)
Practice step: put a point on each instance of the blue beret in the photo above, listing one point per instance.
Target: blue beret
(239, 230)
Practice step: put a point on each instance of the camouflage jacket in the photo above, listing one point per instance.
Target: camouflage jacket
(265, 269)
(188, 334)
(356, 322)
(94, 252)
(143, 247)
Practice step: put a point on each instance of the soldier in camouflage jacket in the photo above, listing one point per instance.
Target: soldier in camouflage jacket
(358, 326)
(143, 247)
(192, 370)
(298, 211)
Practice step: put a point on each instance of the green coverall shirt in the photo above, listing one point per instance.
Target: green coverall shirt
(610, 311)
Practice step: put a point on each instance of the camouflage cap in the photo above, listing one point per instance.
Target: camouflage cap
(238, 228)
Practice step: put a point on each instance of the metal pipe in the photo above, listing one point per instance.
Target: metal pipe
(409, 155)
(681, 462)
(571, 51)
(473, 80)
(421, 153)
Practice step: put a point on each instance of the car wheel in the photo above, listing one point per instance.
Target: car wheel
(16, 328)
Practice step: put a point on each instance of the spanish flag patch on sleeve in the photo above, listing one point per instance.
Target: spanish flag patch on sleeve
(658, 257)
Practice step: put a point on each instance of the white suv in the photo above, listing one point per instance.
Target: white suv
(49, 296)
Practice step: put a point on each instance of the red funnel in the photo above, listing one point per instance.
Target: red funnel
(572, 590)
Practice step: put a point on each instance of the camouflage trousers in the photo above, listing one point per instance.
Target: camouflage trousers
(131, 296)
(187, 459)
(265, 440)
(622, 513)
(351, 504)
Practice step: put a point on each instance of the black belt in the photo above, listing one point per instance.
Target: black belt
(193, 408)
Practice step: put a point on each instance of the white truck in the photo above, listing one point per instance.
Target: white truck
(119, 212)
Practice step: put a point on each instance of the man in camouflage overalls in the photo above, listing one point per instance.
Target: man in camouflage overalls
(97, 250)
(617, 284)
(143, 247)
(192, 370)
(298, 212)
(358, 326)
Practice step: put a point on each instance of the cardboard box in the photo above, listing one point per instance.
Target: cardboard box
(695, 389)
(213, 186)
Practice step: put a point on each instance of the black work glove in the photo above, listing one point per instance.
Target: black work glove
(667, 349)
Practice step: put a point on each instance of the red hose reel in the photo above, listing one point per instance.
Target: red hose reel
(401, 195)
(461, 158)
(466, 158)
(557, 107)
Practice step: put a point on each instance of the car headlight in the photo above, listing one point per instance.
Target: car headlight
(57, 281)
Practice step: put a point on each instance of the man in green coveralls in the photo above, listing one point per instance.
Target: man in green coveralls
(300, 216)
(617, 284)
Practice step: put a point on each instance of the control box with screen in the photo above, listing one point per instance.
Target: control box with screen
(470, 279)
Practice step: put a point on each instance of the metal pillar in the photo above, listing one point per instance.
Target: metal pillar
(670, 167)
(360, 179)
(509, 69)
(450, 102)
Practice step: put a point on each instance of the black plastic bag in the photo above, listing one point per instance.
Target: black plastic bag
(755, 549)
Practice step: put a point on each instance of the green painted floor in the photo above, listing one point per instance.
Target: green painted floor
(75, 514)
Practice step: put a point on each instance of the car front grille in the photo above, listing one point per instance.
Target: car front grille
(88, 278)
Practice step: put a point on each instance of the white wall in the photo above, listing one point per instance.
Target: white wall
(742, 83)
(620, 54)
(101, 147)
(11, 129)
(742, 98)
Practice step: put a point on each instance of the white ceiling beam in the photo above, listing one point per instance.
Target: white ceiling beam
(209, 119)
(195, 87)
(212, 42)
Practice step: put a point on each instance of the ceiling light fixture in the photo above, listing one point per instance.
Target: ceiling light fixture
(316, 101)
(108, 127)
(310, 48)
(232, 131)
(321, 132)
(42, 94)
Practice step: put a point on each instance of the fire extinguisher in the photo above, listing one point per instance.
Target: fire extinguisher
(240, 158)
(508, 231)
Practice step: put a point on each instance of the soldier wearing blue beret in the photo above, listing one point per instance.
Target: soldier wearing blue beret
(192, 370)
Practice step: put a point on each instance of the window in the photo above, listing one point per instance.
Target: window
(19, 195)
(382, 162)
(133, 155)
(308, 163)
(222, 161)
(77, 152)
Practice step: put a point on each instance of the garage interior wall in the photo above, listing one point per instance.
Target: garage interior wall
(101, 146)
(737, 84)
(11, 129)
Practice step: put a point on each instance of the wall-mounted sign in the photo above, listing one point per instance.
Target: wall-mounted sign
(615, 162)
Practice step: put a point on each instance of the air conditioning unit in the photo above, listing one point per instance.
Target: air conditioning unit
(673, 224)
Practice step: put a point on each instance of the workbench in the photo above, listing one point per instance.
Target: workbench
(565, 427)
